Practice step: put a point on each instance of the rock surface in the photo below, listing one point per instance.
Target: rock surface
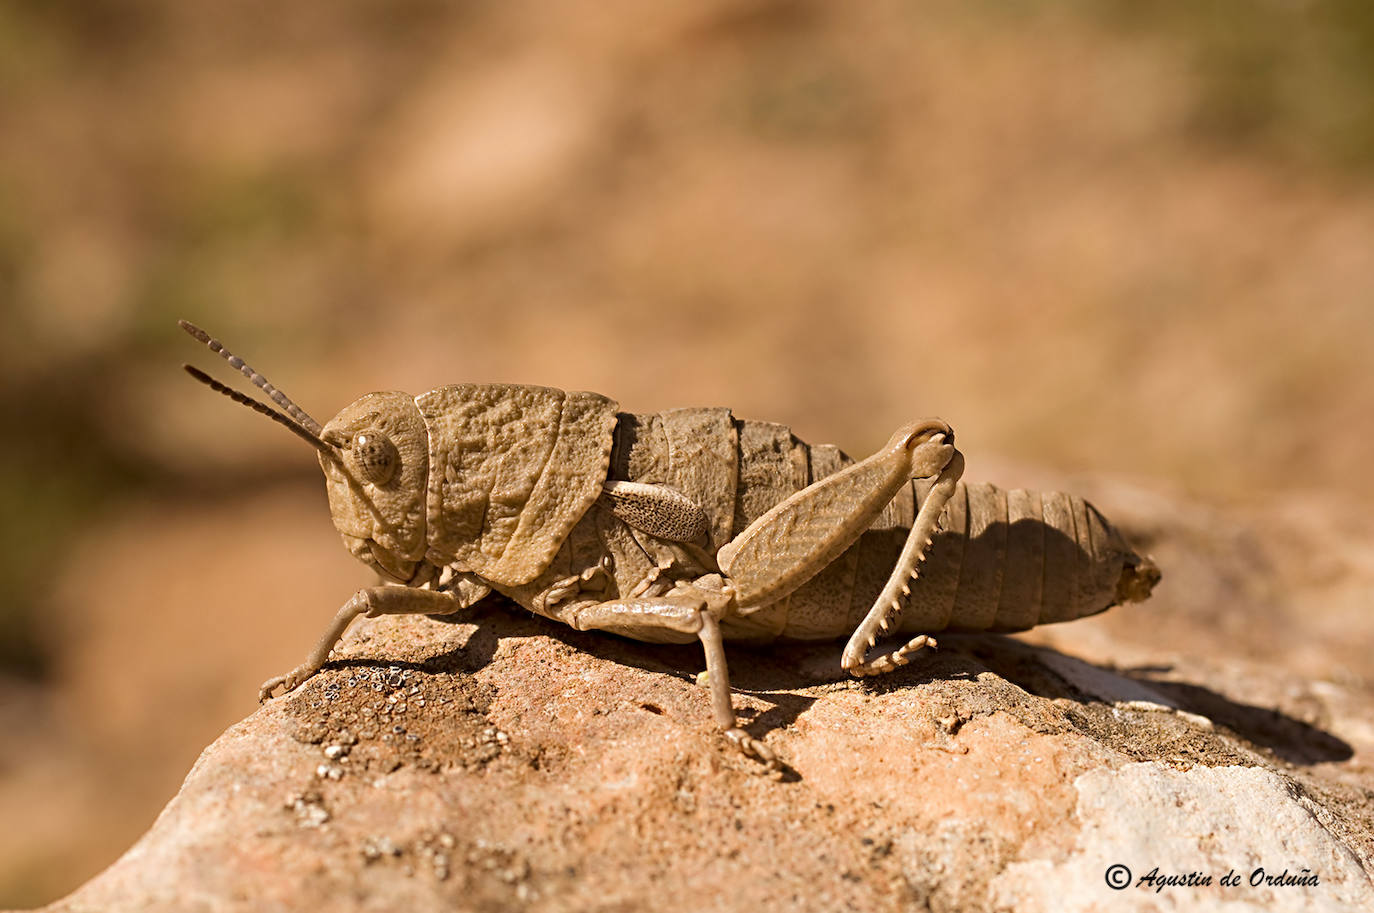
(507, 763)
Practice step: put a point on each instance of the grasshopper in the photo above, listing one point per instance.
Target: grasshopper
(687, 525)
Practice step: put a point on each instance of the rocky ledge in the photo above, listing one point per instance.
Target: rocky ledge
(506, 763)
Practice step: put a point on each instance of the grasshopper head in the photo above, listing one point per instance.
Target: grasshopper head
(375, 456)
(375, 468)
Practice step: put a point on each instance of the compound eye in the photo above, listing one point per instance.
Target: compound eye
(377, 457)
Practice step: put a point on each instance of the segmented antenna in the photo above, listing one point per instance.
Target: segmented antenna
(304, 434)
(278, 397)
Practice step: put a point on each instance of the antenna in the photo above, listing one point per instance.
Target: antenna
(303, 433)
(278, 397)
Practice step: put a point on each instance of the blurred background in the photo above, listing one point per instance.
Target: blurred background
(1132, 239)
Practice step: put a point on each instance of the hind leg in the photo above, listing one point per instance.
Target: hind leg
(798, 537)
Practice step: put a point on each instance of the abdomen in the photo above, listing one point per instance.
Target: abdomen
(1003, 560)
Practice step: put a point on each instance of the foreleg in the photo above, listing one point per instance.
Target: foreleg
(370, 601)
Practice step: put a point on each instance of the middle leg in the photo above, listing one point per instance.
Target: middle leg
(685, 613)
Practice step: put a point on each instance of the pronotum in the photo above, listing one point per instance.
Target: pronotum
(688, 525)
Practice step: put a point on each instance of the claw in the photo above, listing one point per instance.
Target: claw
(891, 661)
(753, 748)
(288, 682)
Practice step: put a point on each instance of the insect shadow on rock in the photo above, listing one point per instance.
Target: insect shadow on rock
(687, 525)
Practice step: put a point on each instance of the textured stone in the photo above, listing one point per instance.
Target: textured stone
(1197, 826)
(509, 763)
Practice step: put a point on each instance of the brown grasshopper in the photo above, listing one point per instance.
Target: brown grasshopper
(688, 525)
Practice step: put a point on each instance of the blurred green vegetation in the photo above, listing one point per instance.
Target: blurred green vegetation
(72, 464)
(59, 480)
(208, 233)
(68, 464)
(1293, 78)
